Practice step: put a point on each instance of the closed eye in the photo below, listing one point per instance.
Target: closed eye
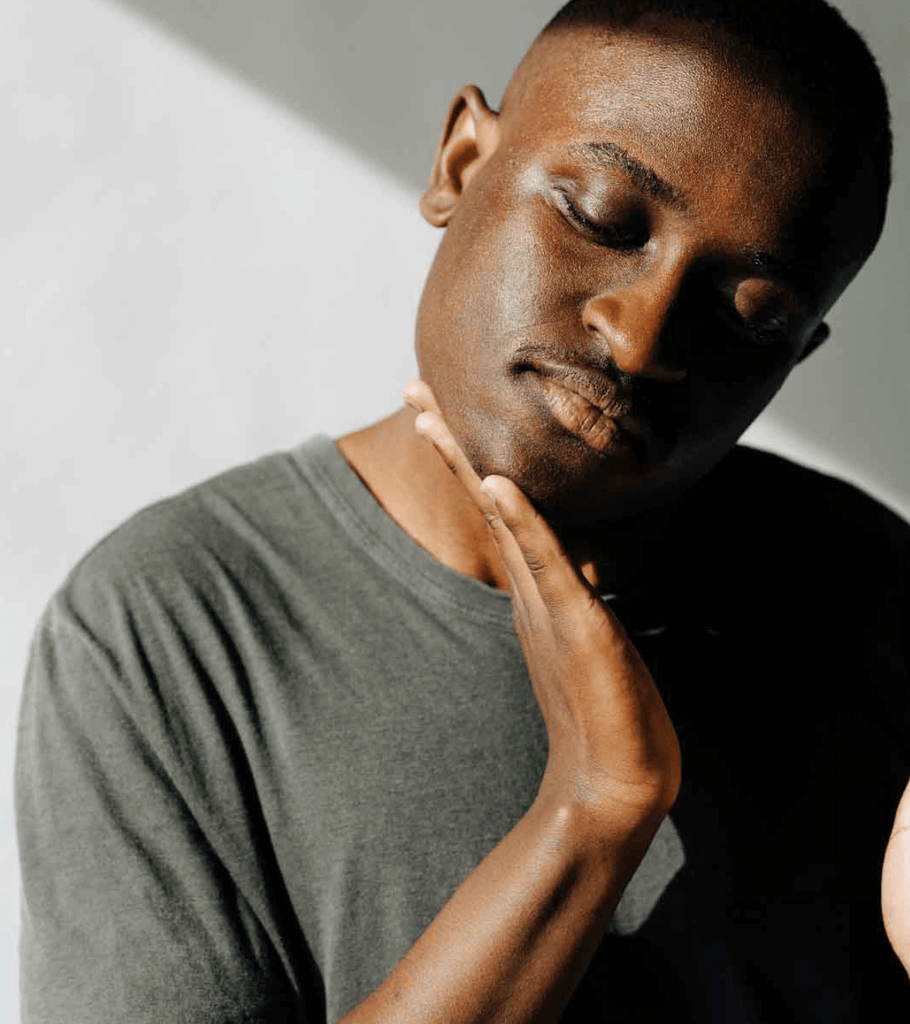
(603, 234)
(767, 330)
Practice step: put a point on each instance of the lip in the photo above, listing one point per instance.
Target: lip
(587, 403)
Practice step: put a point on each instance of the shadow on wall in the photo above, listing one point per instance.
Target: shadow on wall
(380, 76)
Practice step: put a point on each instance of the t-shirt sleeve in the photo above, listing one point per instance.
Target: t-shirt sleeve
(128, 913)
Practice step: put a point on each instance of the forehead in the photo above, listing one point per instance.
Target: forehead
(683, 98)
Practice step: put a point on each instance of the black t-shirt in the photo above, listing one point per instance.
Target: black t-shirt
(195, 846)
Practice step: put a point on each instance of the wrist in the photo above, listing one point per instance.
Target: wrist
(585, 816)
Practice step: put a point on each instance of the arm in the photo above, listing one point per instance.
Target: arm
(896, 883)
(514, 940)
(135, 908)
(131, 914)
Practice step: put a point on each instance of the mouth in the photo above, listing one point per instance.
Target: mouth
(590, 405)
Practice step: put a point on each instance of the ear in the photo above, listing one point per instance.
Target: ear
(469, 137)
(820, 334)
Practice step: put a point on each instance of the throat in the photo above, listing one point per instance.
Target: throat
(407, 478)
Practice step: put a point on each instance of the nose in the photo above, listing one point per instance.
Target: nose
(634, 321)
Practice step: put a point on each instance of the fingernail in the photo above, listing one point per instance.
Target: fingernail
(408, 399)
(488, 491)
(423, 423)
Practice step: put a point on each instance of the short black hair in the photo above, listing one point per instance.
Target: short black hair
(807, 48)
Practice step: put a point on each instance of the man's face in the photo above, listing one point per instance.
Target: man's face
(628, 275)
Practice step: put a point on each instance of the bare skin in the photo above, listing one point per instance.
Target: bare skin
(522, 464)
(896, 883)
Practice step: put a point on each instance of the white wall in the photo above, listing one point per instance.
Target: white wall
(191, 277)
(195, 272)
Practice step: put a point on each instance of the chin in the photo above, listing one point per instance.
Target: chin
(568, 481)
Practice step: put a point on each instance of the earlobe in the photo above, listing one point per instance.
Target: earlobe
(469, 136)
(820, 335)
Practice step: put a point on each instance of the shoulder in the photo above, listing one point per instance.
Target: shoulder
(831, 497)
(196, 553)
(135, 743)
(182, 608)
(759, 501)
(807, 580)
(184, 529)
(761, 532)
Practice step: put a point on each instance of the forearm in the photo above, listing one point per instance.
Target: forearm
(516, 937)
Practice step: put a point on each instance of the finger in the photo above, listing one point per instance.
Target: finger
(528, 606)
(433, 428)
(419, 395)
(560, 583)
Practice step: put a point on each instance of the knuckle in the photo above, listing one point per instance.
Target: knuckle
(537, 564)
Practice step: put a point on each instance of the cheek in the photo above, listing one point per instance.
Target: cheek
(496, 287)
(725, 404)
(529, 258)
(528, 283)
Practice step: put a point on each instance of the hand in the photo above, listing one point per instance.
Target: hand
(896, 883)
(612, 746)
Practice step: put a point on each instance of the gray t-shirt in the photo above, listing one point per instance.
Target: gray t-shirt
(264, 736)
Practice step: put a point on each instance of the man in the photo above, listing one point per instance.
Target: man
(393, 730)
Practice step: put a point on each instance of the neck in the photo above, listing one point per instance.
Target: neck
(409, 480)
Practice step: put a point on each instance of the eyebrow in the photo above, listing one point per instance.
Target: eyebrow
(649, 181)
